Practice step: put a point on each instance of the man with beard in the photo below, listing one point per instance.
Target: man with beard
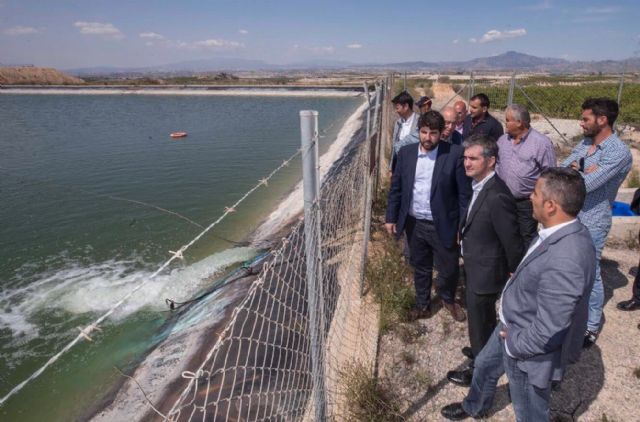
(428, 194)
(603, 160)
(479, 121)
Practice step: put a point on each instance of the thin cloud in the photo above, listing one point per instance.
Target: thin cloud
(20, 30)
(106, 30)
(243, 31)
(354, 46)
(455, 41)
(495, 35)
(217, 43)
(151, 36)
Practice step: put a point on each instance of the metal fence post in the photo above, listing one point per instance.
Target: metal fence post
(312, 235)
(512, 86)
(620, 87)
(368, 189)
(404, 85)
(472, 87)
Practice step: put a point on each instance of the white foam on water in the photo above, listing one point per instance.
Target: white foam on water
(293, 204)
(96, 288)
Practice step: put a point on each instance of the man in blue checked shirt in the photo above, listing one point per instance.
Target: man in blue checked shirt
(604, 161)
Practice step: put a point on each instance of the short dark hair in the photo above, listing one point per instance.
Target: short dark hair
(602, 107)
(484, 100)
(431, 119)
(565, 186)
(489, 145)
(403, 98)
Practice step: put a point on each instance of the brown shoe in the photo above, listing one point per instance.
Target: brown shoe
(418, 313)
(456, 311)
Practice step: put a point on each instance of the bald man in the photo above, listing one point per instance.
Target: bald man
(449, 134)
(460, 108)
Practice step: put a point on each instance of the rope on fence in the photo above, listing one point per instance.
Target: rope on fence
(86, 331)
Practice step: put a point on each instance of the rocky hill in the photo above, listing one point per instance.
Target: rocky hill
(35, 76)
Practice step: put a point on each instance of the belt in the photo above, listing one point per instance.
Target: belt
(423, 220)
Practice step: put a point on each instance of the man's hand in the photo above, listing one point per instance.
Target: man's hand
(503, 333)
(591, 169)
(574, 165)
(391, 228)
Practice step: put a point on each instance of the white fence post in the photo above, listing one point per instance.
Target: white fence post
(312, 234)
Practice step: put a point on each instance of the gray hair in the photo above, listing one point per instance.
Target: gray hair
(489, 146)
(520, 113)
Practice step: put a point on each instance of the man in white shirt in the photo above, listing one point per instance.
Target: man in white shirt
(405, 129)
(428, 194)
(544, 307)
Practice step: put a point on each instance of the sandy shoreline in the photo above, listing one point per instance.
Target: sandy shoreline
(194, 91)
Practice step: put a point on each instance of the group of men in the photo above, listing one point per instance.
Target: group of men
(460, 186)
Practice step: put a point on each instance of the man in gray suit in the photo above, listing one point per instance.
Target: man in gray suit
(544, 307)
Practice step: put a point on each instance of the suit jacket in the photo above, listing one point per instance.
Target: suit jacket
(491, 240)
(450, 190)
(412, 138)
(545, 304)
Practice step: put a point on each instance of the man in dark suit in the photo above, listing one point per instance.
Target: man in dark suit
(429, 192)
(544, 307)
(491, 245)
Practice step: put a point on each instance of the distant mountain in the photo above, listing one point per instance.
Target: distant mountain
(514, 61)
(509, 61)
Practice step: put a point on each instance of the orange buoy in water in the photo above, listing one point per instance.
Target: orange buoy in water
(178, 134)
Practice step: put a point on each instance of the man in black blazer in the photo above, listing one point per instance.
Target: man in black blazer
(491, 245)
(429, 192)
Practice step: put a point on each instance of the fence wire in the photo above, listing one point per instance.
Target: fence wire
(260, 368)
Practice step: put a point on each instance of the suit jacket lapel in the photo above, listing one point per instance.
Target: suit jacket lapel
(543, 247)
(412, 164)
(478, 202)
(443, 149)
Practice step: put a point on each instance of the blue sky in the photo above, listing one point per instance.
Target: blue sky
(82, 33)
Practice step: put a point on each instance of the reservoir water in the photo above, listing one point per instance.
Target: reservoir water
(94, 194)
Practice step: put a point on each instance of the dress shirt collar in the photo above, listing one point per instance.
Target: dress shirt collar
(546, 232)
(604, 143)
(477, 186)
(410, 119)
(431, 154)
(524, 138)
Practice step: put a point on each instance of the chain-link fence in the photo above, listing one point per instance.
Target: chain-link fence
(304, 321)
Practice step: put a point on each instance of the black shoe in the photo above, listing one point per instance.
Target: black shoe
(466, 350)
(590, 338)
(454, 412)
(417, 312)
(628, 305)
(462, 378)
